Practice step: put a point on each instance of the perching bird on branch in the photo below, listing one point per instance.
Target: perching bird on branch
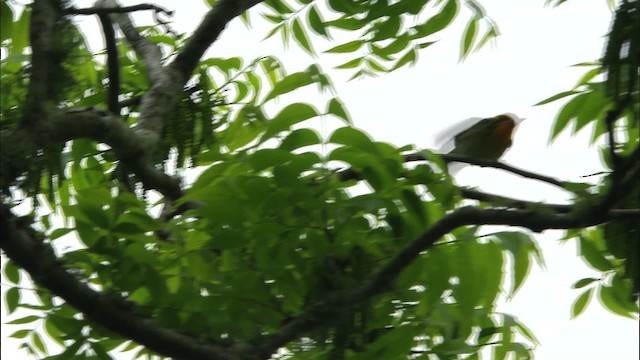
(478, 138)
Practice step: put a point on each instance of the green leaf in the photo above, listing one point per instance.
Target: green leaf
(493, 261)
(581, 303)
(350, 64)
(300, 138)
(12, 299)
(53, 332)
(398, 44)
(36, 340)
(20, 33)
(279, 27)
(470, 33)
(274, 19)
(612, 303)
(279, 6)
(487, 333)
(346, 23)
(592, 109)
(409, 58)
(522, 247)
(20, 334)
(369, 167)
(592, 255)
(469, 291)
(568, 112)
(226, 65)
(490, 34)
(266, 158)
(290, 83)
(526, 332)
(11, 272)
(622, 290)
(375, 66)
(245, 128)
(255, 82)
(394, 344)
(583, 282)
(246, 20)
(301, 37)
(557, 97)
(241, 90)
(588, 76)
(289, 116)
(477, 8)
(386, 29)
(59, 233)
(316, 23)
(577, 188)
(348, 47)
(337, 108)
(24, 320)
(437, 22)
(352, 137)
(6, 21)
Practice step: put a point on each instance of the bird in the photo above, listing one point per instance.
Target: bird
(480, 138)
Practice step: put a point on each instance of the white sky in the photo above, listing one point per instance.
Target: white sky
(530, 62)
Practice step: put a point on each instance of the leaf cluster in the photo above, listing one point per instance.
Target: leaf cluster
(384, 40)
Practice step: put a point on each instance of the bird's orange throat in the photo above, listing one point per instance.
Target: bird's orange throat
(502, 132)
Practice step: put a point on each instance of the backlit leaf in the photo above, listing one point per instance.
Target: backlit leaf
(581, 303)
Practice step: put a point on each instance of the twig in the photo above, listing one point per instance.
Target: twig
(113, 64)
(490, 163)
(145, 49)
(97, 10)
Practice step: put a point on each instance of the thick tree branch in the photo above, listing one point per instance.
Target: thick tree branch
(60, 127)
(23, 247)
(43, 17)
(207, 32)
(130, 148)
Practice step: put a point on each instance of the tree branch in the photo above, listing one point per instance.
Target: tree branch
(492, 164)
(24, 248)
(98, 10)
(207, 33)
(497, 200)
(113, 64)
(130, 148)
(146, 50)
(535, 220)
(43, 17)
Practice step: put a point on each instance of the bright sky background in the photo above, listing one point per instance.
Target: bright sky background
(530, 62)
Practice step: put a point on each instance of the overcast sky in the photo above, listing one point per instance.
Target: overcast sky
(529, 62)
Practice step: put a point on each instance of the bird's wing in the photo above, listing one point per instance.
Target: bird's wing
(445, 140)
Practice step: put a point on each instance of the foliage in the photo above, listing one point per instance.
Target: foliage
(269, 237)
(383, 39)
(612, 249)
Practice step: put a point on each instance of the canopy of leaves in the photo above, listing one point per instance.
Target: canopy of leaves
(287, 240)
